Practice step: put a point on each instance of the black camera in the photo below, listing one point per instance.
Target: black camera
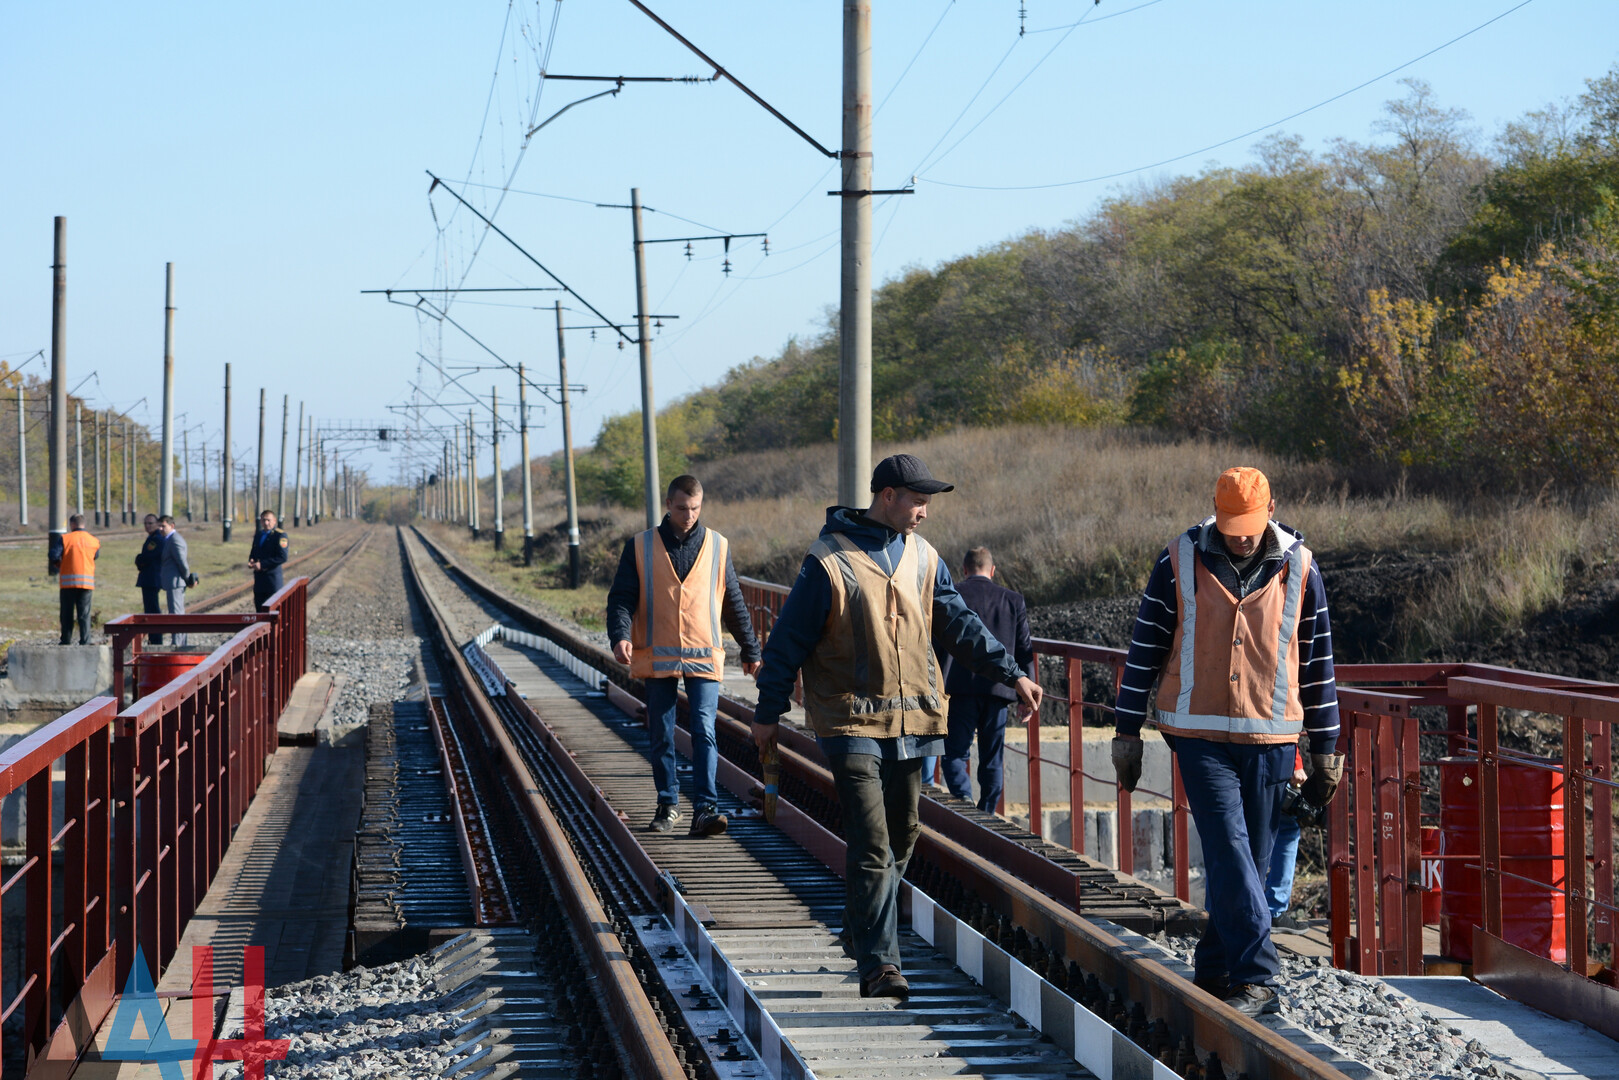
(1302, 810)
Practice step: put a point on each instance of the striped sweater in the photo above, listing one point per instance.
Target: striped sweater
(1155, 631)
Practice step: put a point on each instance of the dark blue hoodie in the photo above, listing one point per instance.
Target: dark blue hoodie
(803, 616)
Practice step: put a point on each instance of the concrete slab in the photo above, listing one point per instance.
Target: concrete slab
(67, 675)
(1535, 1043)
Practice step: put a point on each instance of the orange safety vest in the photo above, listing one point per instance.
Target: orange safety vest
(676, 629)
(1238, 681)
(78, 567)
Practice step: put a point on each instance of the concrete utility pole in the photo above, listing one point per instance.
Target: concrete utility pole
(22, 458)
(281, 473)
(500, 483)
(258, 489)
(97, 497)
(58, 425)
(298, 470)
(567, 456)
(78, 459)
(472, 476)
(126, 473)
(528, 480)
(185, 459)
(227, 491)
(106, 469)
(854, 322)
(165, 490)
(205, 481)
(649, 419)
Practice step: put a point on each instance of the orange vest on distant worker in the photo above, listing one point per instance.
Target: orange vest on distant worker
(1233, 668)
(676, 630)
(78, 567)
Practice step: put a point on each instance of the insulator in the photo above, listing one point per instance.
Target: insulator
(688, 250)
(767, 247)
(726, 267)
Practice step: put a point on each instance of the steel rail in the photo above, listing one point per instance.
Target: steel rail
(219, 599)
(1241, 1043)
(634, 1020)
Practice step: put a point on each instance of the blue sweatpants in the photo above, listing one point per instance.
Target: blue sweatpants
(1235, 794)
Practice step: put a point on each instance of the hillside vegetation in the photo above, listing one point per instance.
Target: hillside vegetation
(1422, 308)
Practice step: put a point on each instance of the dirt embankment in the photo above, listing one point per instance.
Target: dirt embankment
(1370, 596)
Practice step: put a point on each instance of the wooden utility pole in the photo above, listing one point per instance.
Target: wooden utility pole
(854, 320)
(649, 418)
(165, 487)
(567, 456)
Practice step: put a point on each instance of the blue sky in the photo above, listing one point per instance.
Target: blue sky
(277, 155)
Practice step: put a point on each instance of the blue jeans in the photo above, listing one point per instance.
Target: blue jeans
(1283, 857)
(1235, 794)
(704, 697)
(982, 716)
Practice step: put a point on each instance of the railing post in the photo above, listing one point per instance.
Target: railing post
(1365, 850)
(1076, 753)
(1489, 822)
(167, 790)
(75, 800)
(1411, 790)
(1602, 830)
(1037, 824)
(1389, 858)
(1574, 906)
(38, 908)
(123, 849)
(147, 889)
(98, 835)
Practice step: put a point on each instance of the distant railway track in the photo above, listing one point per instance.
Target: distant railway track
(765, 897)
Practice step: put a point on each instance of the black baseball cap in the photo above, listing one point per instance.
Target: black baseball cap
(906, 471)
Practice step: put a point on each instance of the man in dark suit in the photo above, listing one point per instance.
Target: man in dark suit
(173, 570)
(978, 705)
(269, 552)
(146, 565)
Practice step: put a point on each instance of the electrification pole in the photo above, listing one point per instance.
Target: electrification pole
(281, 473)
(528, 480)
(165, 489)
(472, 476)
(97, 497)
(58, 425)
(500, 483)
(22, 459)
(78, 459)
(567, 456)
(205, 481)
(298, 470)
(649, 419)
(854, 323)
(258, 487)
(227, 491)
(185, 457)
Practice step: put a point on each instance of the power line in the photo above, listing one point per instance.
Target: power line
(1235, 138)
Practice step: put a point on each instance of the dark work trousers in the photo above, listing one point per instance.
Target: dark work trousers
(878, 798)
(149, 604)
(1235, 792)
(266, 583)
(983, 716)
(76, 604)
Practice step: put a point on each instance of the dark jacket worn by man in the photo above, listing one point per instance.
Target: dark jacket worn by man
(978, 705)
(146, 562)
(270, 551)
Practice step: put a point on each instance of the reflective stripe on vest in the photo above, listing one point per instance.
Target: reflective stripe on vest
(676, 627)
(1274, 724)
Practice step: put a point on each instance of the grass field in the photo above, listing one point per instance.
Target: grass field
(28, 595)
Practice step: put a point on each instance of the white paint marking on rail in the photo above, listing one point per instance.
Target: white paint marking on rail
(1026, 993)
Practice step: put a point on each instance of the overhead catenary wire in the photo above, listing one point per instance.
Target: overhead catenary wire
(1235, 138)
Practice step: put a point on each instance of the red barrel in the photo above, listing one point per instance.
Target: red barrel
(156, 669)
(1531, 809)
(1432, 845)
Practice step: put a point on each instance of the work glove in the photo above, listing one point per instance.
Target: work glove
(1326, 770)
(1127, 761)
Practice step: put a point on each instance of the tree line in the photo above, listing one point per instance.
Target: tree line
(1426, 304)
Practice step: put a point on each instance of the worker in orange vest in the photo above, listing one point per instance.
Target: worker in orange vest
(73, 560)
(674, 588)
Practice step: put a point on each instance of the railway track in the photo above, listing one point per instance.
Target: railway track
(356, 539)
(735, 938)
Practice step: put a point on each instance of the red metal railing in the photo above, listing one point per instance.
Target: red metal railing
(150, 797)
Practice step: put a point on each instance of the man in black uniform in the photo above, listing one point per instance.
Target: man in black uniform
(146, 560)
(269, 552)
